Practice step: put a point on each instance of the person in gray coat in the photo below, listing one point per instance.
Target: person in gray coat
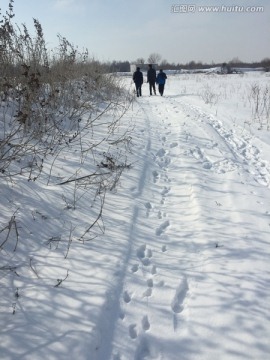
(151, 79)
(138, 80)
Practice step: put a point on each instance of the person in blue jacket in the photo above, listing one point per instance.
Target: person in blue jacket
(138, 80)
(161, 79)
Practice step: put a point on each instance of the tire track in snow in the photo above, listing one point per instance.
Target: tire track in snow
(240, 154)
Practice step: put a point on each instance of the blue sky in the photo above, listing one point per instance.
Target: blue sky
(127, 30)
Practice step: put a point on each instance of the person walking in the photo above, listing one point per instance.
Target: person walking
(151, 79)
(161, 79)
(138, 80)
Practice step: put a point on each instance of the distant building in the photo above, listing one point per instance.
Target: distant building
(143, 67)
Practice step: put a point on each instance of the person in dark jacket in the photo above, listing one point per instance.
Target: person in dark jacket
(161, 79)
(151, 79)
(138, 80)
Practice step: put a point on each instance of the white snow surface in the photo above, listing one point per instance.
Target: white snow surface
(183, 269)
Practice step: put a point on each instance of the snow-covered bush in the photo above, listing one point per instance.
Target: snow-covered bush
(208, 95)
(49, 106)
(259, 98)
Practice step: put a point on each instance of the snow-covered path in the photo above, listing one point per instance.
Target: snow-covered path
(195, 282)
(182, 271)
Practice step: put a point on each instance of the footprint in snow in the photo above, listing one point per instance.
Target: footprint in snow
(132, 331)
(164, 162)
(155, 176)
(207, 165)
(148, 292)
(173, 145)
(197, 153)
(146, 261)
(141, 251)
(144, 255)
(179, 297)
(162, 227)
(145, 323)
(164, 248)
(122, 315)
(161, 152)
(163, 138)
(148, 206)
(126, 297)
(154, 270)
(134, 268)
(165, 191)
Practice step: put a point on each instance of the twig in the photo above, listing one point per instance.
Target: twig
(70, 239)
(14, 308)
(11, 222)
(96, 220)
(9, 268)
(59, 281)
(32, 268)
(83, 177)
(17, 235)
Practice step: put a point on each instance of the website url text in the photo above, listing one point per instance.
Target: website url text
(185, 8)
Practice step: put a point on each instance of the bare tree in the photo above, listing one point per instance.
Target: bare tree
(164, 64)
(154, 58)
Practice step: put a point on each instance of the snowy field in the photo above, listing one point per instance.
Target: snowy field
(182, 271)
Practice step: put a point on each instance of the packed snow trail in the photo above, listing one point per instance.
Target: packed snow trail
(188, 291)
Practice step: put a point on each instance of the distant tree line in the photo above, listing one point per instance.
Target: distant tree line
(117, 66)
(124, 66)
